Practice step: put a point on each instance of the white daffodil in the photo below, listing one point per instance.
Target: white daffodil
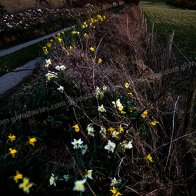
(66, 177)
(103, 131)
(115, 134)
(60, 68)
(57, 67)
(126, 145)
(110, 146)
(90, 129)
(105, 88)
(61, 89)
(99, 93)
(115, 182)
(77, 144)
(89, 174)
(50, 75)
(53, 179)
(47, 63)
(101, 108)
(84, 149)
(117, 104)
(79, 185)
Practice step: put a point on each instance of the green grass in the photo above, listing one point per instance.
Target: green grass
(20, 57)
(168, 18)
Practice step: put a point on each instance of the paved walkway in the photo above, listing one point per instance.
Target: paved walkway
(29, 43)
(10, 80)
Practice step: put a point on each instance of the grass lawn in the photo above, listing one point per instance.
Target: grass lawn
(168, 18)
(20, 57)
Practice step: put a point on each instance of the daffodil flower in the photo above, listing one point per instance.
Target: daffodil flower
(12, 137)
(89, 174)
(110, 146)
(115, 192)
(61, 89)
(90, 129)
(144, 114)
(92, 49)
(149, 158)
(101, 109)
(18, 177)
(25, 185)
(32, 141)
(77, 144)
(12, 152)
(76, 127)
(79, 185)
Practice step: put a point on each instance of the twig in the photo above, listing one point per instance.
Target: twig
(173, 128)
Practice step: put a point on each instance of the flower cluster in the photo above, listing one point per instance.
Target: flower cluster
(25, 185)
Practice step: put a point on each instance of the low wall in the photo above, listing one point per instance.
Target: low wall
(18, 5)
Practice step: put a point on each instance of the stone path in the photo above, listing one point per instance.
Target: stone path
(29, 43)
(10, 80)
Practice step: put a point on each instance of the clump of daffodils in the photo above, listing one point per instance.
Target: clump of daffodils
(51, 75)
(126, 145)
(117, 104)
(60, 68)
(99, 92)
(78, 144)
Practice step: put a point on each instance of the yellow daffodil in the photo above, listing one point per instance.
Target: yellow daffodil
(92, 49)
(130, 94)
(76, 127)
(154, 123)
(59, 39)
(12, 137)
(115, 191)
(100, 61)
(121, 129)
(127, 85)
(25, 185)
(111, 129)
(32, 141)
(149, 158)
(45, 50)
(144, 114)
(85, 35)
(49, 45)
(70, 47)
(12, 152)
(18, 177)
(75, 32)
